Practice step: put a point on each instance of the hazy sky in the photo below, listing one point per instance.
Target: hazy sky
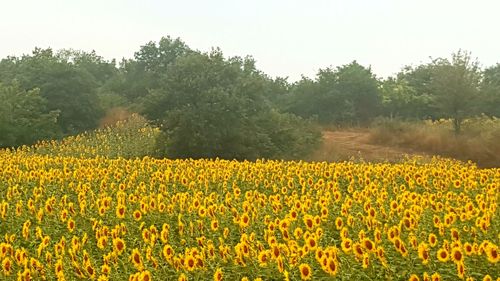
(287, 38)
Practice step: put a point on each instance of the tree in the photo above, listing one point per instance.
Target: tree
(360, 87)
(455, 86)
(215, 107)
(347, 94)
(67, 88)
(136, 77)
(489, 102)
(412, 86)
(24, 117)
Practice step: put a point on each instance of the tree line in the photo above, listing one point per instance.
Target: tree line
(208, 105)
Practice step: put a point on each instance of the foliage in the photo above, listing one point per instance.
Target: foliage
(348, 94)
(489, 99)
(455, 84)
(211, 107)
(24, 116)
(67, 218)
(67, 88)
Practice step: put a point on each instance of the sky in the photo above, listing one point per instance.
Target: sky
(287, 38)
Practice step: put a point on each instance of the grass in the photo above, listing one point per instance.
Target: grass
(478, 142)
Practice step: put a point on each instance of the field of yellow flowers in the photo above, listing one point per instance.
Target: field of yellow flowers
(70, 218)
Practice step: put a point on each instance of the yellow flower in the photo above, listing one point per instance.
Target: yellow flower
(457, 255)
(413, 277)
(7, 266)
(218, 275)
(305, 271)
(436, 277)
(190, 263)
(145, 276)
(443, 255)
(423, 253)
(118, 246)
(136, 259)
(182, 277)
(492, 253)
(71, 225)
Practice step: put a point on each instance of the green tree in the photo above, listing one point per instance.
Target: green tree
(24, 117)
(67, 88)
(417, 82)
(347, 94)
(215, 107)
(136, 77)
(455, 85)
(401, 100)
(489, 102)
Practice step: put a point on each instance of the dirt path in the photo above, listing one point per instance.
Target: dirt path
(355, 144)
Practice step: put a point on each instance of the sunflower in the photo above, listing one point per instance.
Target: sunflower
(358, 250)
(168, 252)
(71, 225)
(487, 277)
(423, 253)
(305, 271)
(346, 245)
(332, 266)
(58, 267)
(413, 277)
(312, 243)
(7, 266)
(105, 269)
(263, 258)
(309, 221)
(137, 215)
(461, 270)
(366, 260)
(432, 240)
(436, 277)
(189, 263)
(182, 277)
(120, 211)
(136, 259)
(218, 275)
(244, 220)
(456, 255)
(90, 271)
(214, 225)
(118, 246)
(492, 253)
(469, 250)
(368, 245)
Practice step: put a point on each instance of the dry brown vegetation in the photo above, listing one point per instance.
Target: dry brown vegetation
(393, 141)
(478, 142)
(354, 144)
(113, 116)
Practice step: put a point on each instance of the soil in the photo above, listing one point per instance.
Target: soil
(342, 145)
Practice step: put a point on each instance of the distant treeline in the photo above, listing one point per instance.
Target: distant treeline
(208, 105)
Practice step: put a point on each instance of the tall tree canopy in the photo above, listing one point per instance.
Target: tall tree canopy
(215, 107)
(69, 89)
(455, 85)
(24, 116)
(347, 94)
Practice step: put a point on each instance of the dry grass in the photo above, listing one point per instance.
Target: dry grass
(113, 116)
(354, 145)
(479, 141)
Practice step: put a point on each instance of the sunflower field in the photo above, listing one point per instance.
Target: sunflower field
(66, 217)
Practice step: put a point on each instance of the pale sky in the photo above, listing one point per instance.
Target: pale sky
(287, 38)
